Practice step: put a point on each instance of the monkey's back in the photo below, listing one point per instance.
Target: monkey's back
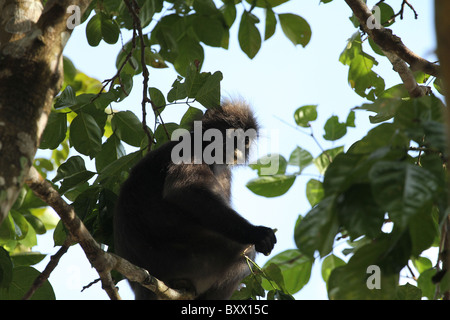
(175, 246)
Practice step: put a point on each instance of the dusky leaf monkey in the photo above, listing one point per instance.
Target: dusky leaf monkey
(174, 218)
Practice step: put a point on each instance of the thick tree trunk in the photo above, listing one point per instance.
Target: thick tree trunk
(442, 9)
(32, 39)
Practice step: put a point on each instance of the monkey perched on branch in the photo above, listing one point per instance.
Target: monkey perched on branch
(174, 216)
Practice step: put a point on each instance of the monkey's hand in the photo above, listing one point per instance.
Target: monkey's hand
(264, 239)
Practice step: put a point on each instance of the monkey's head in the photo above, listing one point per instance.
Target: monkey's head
(238, 126)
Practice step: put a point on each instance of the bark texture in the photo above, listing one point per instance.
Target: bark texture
(32, 39)
(442, 9)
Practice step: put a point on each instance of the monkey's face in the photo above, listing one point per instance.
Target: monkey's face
(241, 142)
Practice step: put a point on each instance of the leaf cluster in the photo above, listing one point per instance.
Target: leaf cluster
(179, 28)
(386, 194)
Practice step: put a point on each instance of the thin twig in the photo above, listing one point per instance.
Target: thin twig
(117, 75)
(132, 8)
(311, 134)
(54, 260)
(90, 284)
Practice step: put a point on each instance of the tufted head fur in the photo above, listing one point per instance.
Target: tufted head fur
(232, 115)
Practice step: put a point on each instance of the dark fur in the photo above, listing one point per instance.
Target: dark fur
(176, 220)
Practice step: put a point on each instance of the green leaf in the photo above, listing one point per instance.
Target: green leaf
(22, 280)
(94, 30)
(358, 212)
(408, 292)
(402, 189)
(300, 158)
(110, 30)
(8, 229)
(85, 203)
(55, 131)
(314, 192)
(194, 80)
(210, 29)
(153, 59)
(384, 107)
(189, 51)
(112, 150)
(295, 270)
(271, 23)
(349, 283)
(21, 225)
(35, 222)
(249, 36)
(157, 98)
(114, 172)
(59, 234)
(73, 173)
(271, 164)
(345, 170)
(389, 253)
(444, 283)
(27, 258)
(304, 115)
(66, 99)
(361, 77)
(423, 117)
(147, 11)
(205, 6)
(316, 231)
(46, 216)
(169, 29)
(422, 264)
(271, 186)
(192, 114)
(350, 122)
(101, 27)
(85, 134)
(386, 135)
(326, 157)
(251, 288)
(423, 230)
(229, 12)
(274, 278)
(425, 283)
(334, 130)
(266, 3)
(128, 128)
(178, 90)
(295, 28)
(6, 268)
(329, 264)
(69, 70)
(209, 94)
(163, 133)
(386, 14)
(437, 84)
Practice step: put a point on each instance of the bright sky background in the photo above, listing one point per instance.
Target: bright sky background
(276, 82)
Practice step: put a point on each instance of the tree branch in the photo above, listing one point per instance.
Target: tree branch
(102, 261)
(407, 76)
(389, 42)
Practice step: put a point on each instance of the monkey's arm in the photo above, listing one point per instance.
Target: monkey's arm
(196, 191)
